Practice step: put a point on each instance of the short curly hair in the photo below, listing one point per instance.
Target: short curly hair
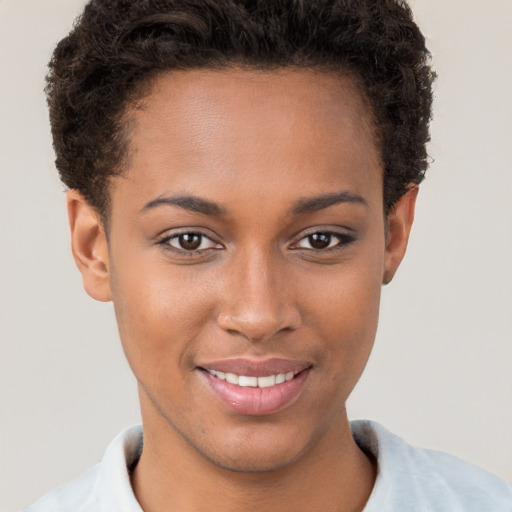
(117, 46)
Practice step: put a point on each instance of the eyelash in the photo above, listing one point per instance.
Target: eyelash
(166, 243)
(344, 240)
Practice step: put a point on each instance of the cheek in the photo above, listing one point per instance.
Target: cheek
(346, 310)
(159, 317)
(352, 318)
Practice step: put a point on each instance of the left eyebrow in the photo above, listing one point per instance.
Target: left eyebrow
(191, 203)
(314, 204)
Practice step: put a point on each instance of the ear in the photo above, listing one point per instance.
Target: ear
(89, 246)
(400, 221)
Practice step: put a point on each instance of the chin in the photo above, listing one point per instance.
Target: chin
(255, 461)
(256, 449)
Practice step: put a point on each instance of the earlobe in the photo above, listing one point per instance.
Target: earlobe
(89, 246)
(400, 221)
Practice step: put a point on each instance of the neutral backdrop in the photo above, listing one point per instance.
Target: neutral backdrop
(440, 375)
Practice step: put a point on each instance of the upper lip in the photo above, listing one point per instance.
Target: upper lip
(256, 368)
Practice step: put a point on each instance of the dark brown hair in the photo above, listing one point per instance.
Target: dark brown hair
(116, 46)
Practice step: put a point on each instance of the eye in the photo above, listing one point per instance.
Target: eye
(190, 242)
(323, 240)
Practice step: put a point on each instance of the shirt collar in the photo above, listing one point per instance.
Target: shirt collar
(114, 489)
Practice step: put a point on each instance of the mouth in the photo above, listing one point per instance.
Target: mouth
(251, 381)
(256, 388)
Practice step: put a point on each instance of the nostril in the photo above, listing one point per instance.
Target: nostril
(255, 328)
(257, 317)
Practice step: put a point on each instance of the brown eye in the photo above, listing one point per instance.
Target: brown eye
(320, 240)
(190, 242)
(323, 240)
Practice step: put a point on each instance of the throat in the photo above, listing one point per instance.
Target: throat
(333, 476)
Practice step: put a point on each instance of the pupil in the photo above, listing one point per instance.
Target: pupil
(190, 241)
(320, 240)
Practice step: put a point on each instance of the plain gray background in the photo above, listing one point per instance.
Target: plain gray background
(440, 374)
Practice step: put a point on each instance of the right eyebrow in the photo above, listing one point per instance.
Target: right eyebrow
(314, 204)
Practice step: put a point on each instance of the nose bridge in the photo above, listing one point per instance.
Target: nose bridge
(258, 303)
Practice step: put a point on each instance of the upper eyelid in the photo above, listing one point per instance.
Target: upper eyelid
(337, 231)
(180, 233)
(174, 232)
(334, 234)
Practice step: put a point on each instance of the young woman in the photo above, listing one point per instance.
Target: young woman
(242, 179)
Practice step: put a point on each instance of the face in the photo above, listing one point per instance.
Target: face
(246, 254)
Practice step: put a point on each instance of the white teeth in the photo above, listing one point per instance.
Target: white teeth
(253, 382)
(266, 382)
(232, 378)
(280, 378)
(248, 382)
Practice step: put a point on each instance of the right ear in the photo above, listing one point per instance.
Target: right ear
(89, 246)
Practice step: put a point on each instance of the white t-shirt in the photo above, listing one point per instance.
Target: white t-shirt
(409, 479)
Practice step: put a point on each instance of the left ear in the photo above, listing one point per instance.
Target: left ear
(400, 221)
(89, 246)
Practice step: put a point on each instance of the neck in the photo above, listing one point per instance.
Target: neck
(332, 475)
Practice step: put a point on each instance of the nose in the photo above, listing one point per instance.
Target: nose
(258, 299)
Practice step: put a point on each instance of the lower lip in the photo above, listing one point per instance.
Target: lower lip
(257, 401)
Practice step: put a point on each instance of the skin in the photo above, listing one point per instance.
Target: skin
(257, 144)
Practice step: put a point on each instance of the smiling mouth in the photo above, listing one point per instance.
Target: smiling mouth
(250, 381)
(256, 388)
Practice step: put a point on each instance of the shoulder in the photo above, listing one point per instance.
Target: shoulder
(412, 478)
(75, 495)
(105, 487)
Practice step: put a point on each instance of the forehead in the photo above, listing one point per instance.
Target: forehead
(235, 128)
(265, 99)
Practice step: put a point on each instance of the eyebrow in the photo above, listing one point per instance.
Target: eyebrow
(315, 204)
(191, 203)
(302, 206)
